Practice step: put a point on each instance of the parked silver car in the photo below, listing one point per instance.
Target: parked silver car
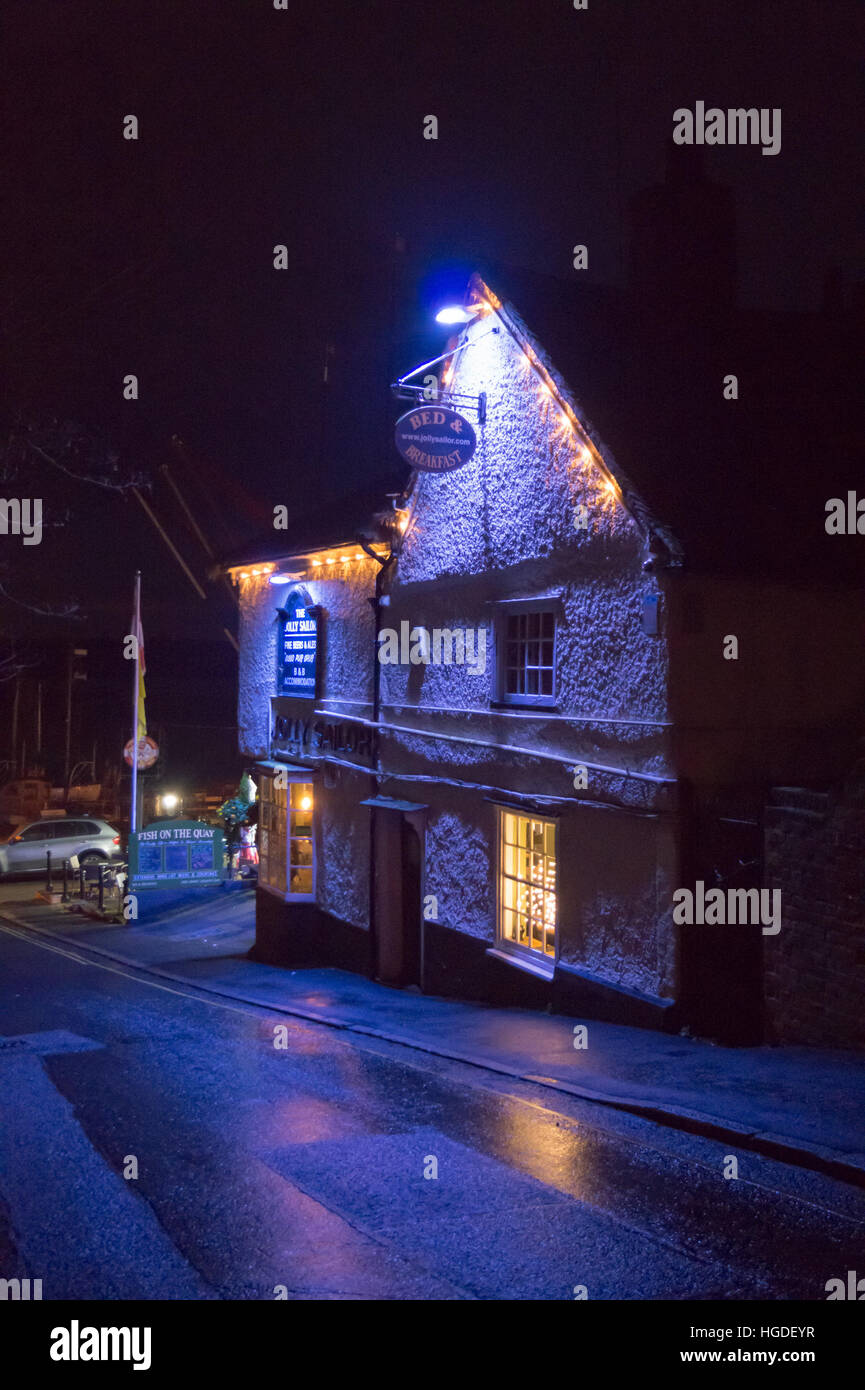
(92, 841)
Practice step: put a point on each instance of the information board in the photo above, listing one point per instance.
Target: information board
(176, 854)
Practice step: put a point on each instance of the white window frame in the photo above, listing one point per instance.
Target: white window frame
(293, 777)
(525, 608)
(538, 961)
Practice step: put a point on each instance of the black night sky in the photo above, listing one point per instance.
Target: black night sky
(305, 127)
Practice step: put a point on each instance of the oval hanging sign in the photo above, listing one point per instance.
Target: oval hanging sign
(148, 752)
(435, 438)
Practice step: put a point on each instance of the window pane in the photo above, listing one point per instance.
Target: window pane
(301, 881)
(527, 883)
(301, 851)
(528, 655)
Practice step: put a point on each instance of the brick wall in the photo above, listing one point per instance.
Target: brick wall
(814, 969)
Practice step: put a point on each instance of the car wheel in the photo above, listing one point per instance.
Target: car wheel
(91, 858)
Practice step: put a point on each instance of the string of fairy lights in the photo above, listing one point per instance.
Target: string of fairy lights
(586, 456)
(331, 564)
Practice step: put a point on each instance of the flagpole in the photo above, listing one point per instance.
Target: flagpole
(133, 810)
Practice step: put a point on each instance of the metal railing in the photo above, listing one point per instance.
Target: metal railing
(103, 884)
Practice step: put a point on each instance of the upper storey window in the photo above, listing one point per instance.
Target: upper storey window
(527, 655)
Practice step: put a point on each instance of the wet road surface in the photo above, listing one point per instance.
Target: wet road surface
(282, 1159)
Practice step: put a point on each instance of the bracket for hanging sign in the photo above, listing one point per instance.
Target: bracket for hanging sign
(422, 395)
(456, 399)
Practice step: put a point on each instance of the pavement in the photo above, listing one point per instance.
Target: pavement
(804, 1106)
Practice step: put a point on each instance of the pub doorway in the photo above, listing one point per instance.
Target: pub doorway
(399, 857)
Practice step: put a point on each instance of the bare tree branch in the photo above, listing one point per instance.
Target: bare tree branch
(68, 610)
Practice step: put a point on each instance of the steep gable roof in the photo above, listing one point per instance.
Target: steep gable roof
(735, 486)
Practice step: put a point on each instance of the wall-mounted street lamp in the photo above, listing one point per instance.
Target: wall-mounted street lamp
(458, 313)
(451, 314)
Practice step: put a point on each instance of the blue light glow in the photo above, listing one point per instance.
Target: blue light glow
(455, 313)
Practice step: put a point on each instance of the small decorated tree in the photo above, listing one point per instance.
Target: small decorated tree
(234, 813)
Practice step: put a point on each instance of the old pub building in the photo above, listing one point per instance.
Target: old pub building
(497, 721)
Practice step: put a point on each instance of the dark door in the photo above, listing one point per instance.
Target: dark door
(722, 966)
(397, 898)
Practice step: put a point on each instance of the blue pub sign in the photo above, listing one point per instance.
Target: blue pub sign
(297, 648)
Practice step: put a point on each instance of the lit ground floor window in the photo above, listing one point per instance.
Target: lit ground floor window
(528, 894)
(286, 849)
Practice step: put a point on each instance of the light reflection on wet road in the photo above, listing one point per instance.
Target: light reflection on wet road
(302, 1168)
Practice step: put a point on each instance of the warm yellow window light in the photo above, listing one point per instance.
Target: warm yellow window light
(316, 562)
(245, 575)
(403, 520)
(305, 803)
(359, 555)
(331, 559)
(345, 559)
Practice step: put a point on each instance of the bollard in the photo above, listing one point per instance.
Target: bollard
(48, 884)
(81, 892)
(64, 896)
(101, 886)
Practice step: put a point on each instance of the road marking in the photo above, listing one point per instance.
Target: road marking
(24, 934)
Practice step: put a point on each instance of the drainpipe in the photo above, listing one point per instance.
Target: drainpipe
(376, 601)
